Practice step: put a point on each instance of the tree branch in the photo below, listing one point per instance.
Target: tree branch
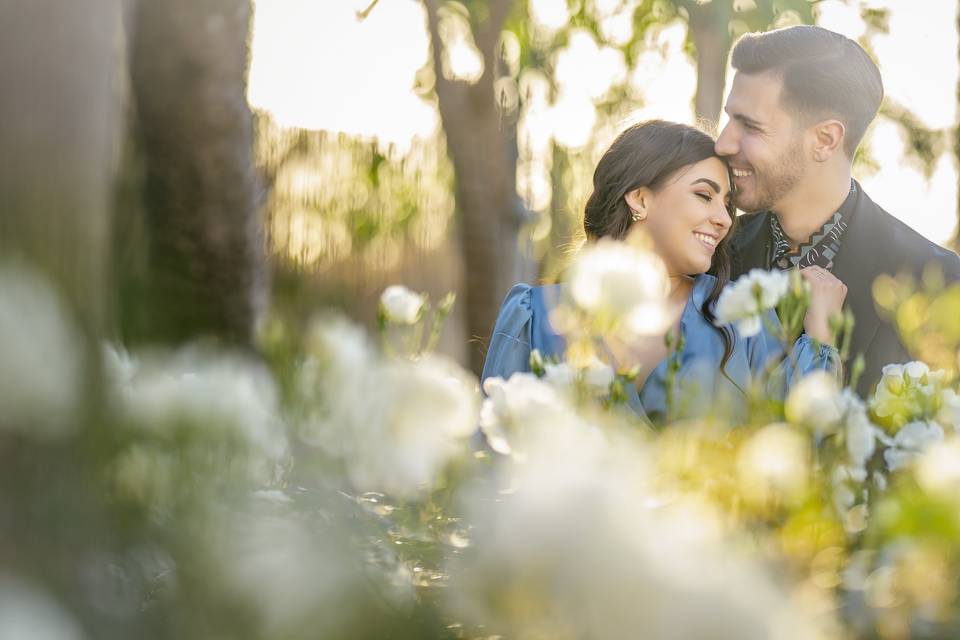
(486, 40)
(489, 36)
(362, 15)
(436, 43)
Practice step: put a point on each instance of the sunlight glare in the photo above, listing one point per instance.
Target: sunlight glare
(841, 17)
(929, 208)
(616, 20)
(315, 66)
(549, 15)
(586, 69)
(666, 77)
(572, 120)
(465, 61)
(535, 127)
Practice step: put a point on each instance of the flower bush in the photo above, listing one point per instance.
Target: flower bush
(353, 489)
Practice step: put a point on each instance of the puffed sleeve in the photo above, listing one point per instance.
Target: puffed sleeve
(765, 354)
(509, 350)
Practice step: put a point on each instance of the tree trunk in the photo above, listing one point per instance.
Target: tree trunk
(956, 146)
(482, 146)
(487, 204)
(712, 40)
(206, 269)
(60, 65)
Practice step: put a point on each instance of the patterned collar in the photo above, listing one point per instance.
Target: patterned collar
(823, 246)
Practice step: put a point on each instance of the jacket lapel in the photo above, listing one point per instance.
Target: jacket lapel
(862, 257)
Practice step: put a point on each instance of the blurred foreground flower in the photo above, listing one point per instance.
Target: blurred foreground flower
(816, 402)
(27, 612)
(42, 361)
(297, 580)
(401, 305)
(194, 418)
(394, 423)
(744, 301)
(573, 551)
(518, 405)
(410, 326)
(595, 376)
(910, 442)
(907, 393)
(774, 465)
(938, 470)
(619, 289)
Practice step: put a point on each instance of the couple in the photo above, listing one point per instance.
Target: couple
(801, 101)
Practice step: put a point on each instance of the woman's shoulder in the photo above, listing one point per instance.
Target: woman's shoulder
(519, 295)
(525, 301)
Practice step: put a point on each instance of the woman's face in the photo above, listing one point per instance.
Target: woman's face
(687, 218)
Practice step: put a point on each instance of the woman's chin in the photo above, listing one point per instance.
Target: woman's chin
(696, 267)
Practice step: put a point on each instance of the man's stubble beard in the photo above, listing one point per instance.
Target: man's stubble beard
(778, 179)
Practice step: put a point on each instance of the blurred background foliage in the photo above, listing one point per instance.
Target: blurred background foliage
(494, 195)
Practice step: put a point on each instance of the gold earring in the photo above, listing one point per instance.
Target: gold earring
(636, 216)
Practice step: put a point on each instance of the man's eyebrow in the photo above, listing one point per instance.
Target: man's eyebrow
(713, 185)
(744, 119)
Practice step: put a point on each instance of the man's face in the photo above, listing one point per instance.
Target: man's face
(762, 142)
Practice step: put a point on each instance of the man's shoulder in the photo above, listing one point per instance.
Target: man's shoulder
(896, 238)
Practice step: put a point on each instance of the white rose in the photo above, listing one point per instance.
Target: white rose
(560, 374)
(860, 437)
(226, 403)
(599, 375)
(401, 305)
(613, 281)
(773, 286)
(515, 405)
(916, 370)
(892, 370)
(419, 416)
(596, 375)
(815, 401)
(910, 441)
(949, 414)
(744, 301)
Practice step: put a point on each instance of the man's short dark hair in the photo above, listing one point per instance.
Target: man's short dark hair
(824, 75)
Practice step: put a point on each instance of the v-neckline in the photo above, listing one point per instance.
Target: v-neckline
(680, 331)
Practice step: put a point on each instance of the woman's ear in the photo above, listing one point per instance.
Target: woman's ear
(638, 201)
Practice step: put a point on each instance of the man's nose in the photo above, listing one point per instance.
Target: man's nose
(726, 144)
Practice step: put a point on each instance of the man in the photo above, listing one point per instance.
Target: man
(801, 101)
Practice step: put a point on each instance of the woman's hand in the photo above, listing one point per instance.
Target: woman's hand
(827, 294)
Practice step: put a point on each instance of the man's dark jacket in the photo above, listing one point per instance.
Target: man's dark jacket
(874, 243)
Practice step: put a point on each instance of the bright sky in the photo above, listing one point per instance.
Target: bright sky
(315, 65)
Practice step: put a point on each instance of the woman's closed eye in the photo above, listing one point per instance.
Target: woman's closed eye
(706, 197)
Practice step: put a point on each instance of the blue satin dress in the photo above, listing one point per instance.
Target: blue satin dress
(700, 388)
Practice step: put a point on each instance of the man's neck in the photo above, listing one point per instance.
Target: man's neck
(807, 208)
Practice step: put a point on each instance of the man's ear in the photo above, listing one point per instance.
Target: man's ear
(638, 201)
(828, 139)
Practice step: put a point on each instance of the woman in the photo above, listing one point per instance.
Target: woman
(665, 179)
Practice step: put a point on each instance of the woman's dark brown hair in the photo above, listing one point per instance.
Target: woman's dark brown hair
(649, 154)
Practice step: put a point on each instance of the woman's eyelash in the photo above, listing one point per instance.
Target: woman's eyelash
(706, 196)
